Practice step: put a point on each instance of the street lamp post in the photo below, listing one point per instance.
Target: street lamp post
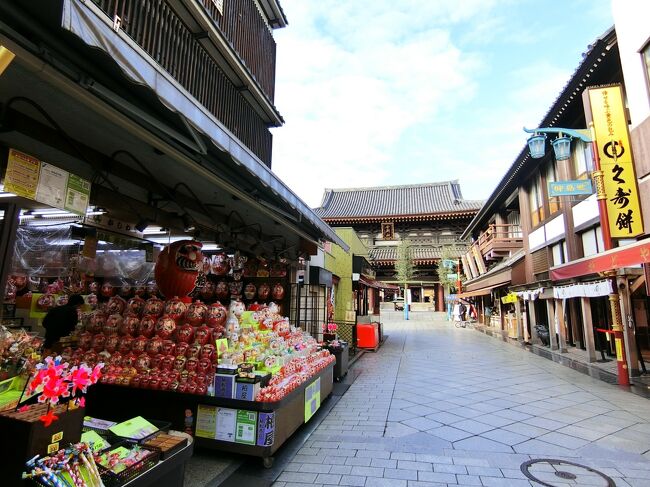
(562, 149)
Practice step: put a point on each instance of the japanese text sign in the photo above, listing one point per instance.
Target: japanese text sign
(614, 152)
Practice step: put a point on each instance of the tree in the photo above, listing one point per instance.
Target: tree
(405, 268)
(448, 253)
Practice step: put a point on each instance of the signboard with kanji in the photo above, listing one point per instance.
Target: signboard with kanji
(614, 152)
(569, 188)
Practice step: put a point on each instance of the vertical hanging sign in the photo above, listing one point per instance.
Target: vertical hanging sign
(615, 154)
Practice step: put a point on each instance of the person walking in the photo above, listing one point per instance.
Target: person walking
(61, 320)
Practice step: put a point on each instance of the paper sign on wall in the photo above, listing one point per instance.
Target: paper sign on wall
(206, 421)
(246, 427)
(226, 424)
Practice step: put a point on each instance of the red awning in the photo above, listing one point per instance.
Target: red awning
(376, 284)
(628, 256)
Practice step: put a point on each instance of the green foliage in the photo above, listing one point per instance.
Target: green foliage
(404, 264)
(448, 253)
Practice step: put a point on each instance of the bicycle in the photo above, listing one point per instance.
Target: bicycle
(465, 324)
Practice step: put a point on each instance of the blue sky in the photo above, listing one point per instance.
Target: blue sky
(378, 92)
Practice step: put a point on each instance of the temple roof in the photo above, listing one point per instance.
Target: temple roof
(419, 253)
(386, 201)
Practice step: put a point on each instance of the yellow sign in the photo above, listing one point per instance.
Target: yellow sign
(52, 448)
(22, 174)
(619, 350)
(57, 437)
(615, 154)
(510, 298)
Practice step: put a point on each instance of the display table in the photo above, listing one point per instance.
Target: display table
(247, 427)
(169, 472)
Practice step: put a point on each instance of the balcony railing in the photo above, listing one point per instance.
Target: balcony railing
(499, 240)
(156, 28)
(242, 24)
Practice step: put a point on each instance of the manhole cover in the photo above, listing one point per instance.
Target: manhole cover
(560, 473)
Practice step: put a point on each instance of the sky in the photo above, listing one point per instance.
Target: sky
(378, 92)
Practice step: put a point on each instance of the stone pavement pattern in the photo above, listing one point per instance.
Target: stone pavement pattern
(444, 406)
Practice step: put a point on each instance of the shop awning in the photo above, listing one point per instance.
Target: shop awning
(85, 20)
(481, 292)
(376, 284)
(628, 256)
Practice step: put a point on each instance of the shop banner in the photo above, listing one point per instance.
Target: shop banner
(510, 298)
(266, 429)
(77, 195)
(312, 399)
(39, 181)
(586, 290)
(615, 154)
(22, 174)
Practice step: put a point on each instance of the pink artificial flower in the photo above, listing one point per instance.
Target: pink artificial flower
(80, 378)
(96, 373)
(81, 402)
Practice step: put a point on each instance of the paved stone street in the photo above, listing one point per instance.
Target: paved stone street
(444, 406)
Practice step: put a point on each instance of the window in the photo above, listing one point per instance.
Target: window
(592, 241)
(536, 198)
(645, 53)
(583, 161)
(551, 176)
(559, 253)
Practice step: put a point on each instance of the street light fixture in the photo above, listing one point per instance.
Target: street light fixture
(561, 144)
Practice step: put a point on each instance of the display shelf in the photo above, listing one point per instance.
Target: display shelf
(120, 403)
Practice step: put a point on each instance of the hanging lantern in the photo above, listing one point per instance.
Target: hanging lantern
(177, 268)
(536, 145)
(562, 147)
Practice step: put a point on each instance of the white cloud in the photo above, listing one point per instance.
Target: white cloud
(379, 92)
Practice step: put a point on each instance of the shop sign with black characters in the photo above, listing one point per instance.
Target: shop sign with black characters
(613, 141)
(37, 180)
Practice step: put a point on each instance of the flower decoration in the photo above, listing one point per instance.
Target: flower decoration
(54, 380)
(331, 327)
(48, 418)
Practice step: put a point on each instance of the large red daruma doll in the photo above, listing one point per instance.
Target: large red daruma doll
(177, 268)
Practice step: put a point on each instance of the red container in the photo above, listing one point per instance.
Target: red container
(367, 335)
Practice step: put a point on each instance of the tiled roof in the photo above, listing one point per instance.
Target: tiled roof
(416, 199)
(419, 253)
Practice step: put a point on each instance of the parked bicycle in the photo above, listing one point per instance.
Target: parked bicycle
(465, 323)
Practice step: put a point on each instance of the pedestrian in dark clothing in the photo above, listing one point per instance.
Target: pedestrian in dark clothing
(62, 320)
(462, 310)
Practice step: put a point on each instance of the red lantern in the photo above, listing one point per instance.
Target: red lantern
(196, 313)
(203, 334)
(220, 264)
(147, 326)
(177, 268)
(278, 292)
(263, 291)
(154, 307)
(217, 314)
(136, 305)
(207, 291)
(175, 309)
(185, 333)
(222, 291)
(165, 327)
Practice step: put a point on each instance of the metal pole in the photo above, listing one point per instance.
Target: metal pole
(614, 300)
